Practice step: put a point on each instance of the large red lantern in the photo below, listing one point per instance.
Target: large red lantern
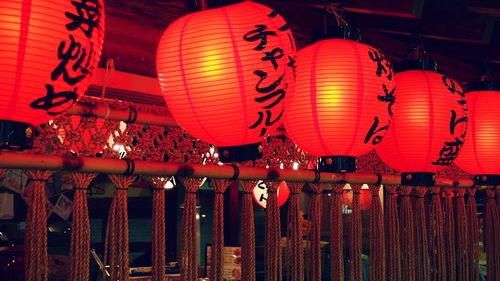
(429, 123)
(225, 72)
(48, 51)
(343, 100)
(480, 154)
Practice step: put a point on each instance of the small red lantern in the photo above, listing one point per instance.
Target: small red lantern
(224, 73)
(365, 199)
(343, 100)
(480, 154)
(48, 51)
(429, 123)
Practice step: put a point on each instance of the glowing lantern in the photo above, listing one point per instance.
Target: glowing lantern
(343, 100)
(365, 198)
(428, 126)
(259, 194)
(224, 73)
(48, 51)
(480, 154)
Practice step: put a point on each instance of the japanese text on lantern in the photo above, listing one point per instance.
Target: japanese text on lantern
(452, 147)
(74, 59)
(272, 92)
(376, 133)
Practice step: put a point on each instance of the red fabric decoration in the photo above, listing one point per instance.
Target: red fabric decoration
(227, 64)
(344, 96)
(48, 51)
(429, 123)
(480, 153)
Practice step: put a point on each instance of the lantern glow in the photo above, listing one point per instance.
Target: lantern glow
(225, 72)
(480, 153)
(48, 51)
(343, 100)
(429, 123)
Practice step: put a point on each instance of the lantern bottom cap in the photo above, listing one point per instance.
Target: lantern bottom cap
(418, 179)
(15, 135)
(240, 153)
(337, 164)
(486, 180)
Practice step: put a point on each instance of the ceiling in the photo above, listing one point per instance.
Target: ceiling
(463, 36)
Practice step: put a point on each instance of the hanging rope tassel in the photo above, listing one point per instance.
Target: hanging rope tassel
(35, 234)
(158, 259)
(79, 255)
(337, 234)
(421, 239)
(449, 234)
(272, 234)
(247, 233)
(436, 237)
(220, 186)
(295, 255)
(355, 266)
(189, 262)
(473, 235)
(392, 235)
(315, 233)
(461, 235)
(407, 232)
(116, 240)
(491, 229)
(377, 239)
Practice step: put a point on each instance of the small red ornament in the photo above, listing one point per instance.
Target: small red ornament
(48, 52)
(429, 123)
(480, 154)
(260, 194)
(225, 72)
(343, 100)
(365, 199)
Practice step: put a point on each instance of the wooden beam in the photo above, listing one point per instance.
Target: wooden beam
(391, 8)
(453, 27)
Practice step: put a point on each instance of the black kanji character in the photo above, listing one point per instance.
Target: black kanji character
(373, 130)
(263, 75)
(273, 56)
(449, 152)
(268, 121)
(454, 122)
(76, 53)
(383, 65)
(54, 100)
(259, 33)
(87, 16)
(388, 97)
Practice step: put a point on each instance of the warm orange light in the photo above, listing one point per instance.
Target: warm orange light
(480, 154)
(429, 123)
(225, 72)
(344, 94)
(48, 51)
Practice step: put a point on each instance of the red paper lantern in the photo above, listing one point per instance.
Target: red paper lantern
(480, 154)
(48, 51)
(259, 194)
(224, 72)
(343, 100)
(365, 199)
(429, 123)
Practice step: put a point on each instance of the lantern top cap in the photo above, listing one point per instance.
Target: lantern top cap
(419, 64)
(337, 32)
(487, 85)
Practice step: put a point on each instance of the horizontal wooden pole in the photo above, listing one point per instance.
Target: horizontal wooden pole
(104, 111)
(15, 160)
